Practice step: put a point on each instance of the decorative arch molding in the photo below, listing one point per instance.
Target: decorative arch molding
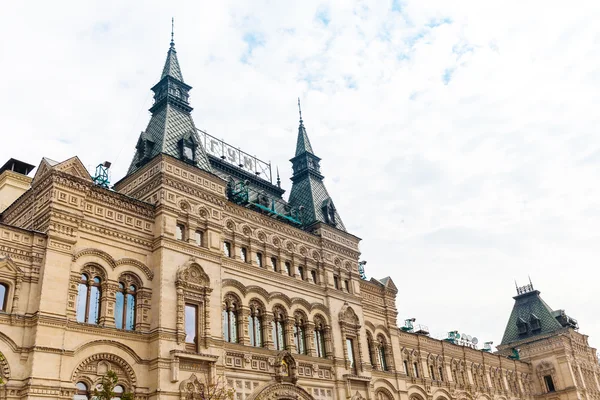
(369, 324)
(315, 307)
(258, 290)
(114, 343)
(96, 253)
(382, 393)
(384, 384)
(416, 392)
(280, 390)
(234, 284)
(4, 368)
(230, 224)
(441, 394)
(282, 297)
(383, 329)
(138, 264)
(301, 302)
(124, 365)
(11, 343)
(483, 396)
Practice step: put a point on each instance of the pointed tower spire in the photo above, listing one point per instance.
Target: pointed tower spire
(171, 129)
(278, 178)
(302, 144)
(308, 190)
(171, 67)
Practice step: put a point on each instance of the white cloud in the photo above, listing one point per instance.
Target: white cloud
(459, 139)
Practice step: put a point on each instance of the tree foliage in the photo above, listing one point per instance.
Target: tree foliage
(105, 391)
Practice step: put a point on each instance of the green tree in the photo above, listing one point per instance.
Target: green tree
(107, 386)
(1, 380)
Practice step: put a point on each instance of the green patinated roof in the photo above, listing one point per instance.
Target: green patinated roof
(166, 127)
(310, 193)
(171, 67)
(308, 190)
(171, 120)
(527, 304)
(303, 144)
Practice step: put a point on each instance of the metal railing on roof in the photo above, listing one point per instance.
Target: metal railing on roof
(236, 157)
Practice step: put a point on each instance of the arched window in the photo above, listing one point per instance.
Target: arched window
(230, 319)
(81, 392)
(381, 349)
(299, 334)
(255, 324)
(118, 390)
(125, 307)
(278, 328)
(3, 296)
(319, 338)
(88, 299)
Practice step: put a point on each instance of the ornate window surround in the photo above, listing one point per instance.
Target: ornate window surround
(193, 287)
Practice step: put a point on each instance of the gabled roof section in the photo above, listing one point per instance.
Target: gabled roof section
(522, 323)
(171, 67)
(72, 166)
(388, 283)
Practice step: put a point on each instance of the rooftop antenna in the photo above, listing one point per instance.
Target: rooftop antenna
(172, 30)
(531, 284)
(299, 109)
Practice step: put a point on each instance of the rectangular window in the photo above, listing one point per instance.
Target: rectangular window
(179, 232)
(549, 383)
(405, 367)
(199, 238)
(300, 272)
(313, 276)
(274, 263)
(347, 285)
(441, 374)
(350, 349)
(227, 249)
(3, 296)
(191, 325)
(243, 254)
(259, 260)
(336, 282)
(416, 369)
(288, 268)
(432, 372)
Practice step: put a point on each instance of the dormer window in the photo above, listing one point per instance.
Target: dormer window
(187, 146)
(535, 322)
(521, 326)
(328, 211)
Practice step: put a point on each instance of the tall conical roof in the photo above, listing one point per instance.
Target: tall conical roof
(171, 129)
(309, 193)
(171, 67)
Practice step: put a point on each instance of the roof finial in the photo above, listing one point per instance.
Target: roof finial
(299, 109)
(278, 178)
(172, 30)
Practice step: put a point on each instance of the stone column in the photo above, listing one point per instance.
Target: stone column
(309, 331)
(243, 334)
(268, 331)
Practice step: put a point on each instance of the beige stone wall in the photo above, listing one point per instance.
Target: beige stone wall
(12, 186)
(73, 227)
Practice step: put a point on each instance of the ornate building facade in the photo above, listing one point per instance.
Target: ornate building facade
(193, 270)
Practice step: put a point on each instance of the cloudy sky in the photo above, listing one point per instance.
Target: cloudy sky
(459, 139)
